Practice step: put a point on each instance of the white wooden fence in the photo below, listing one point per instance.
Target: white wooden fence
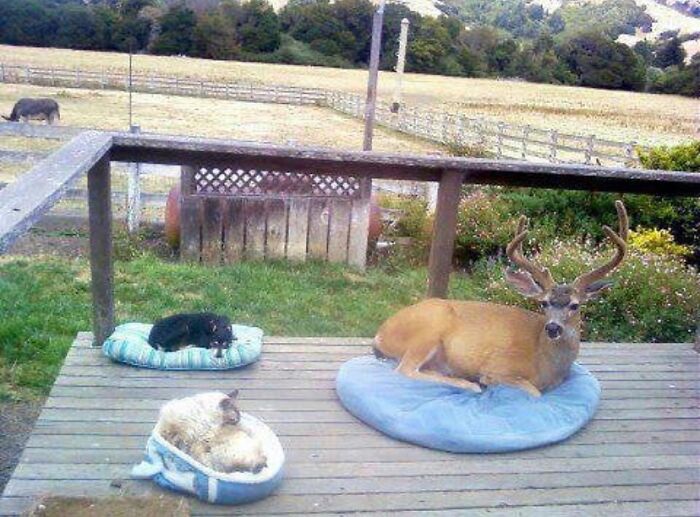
(503, 140)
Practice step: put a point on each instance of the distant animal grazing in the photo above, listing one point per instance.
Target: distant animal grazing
(205, 330)
(206, 427)
(43, 109)
(468, 344)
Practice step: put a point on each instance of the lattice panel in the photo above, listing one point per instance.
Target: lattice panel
(262, 183)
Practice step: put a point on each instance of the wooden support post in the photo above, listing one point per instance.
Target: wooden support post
(590, 148)
(371, 103)
(133, 192)
(400, 63)
(444, 231)
(100, 212)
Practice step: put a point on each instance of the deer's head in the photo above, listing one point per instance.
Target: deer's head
(561, 302)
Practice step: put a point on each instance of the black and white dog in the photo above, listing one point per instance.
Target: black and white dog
(204, 329)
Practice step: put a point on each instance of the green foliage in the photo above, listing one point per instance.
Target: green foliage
(612, 17)
(600, 62)
(679, 81)
(484, 227)
(657, 242)
(177, 32)
(669, 53)
(683, 157)
(653, 299)
(215, 38)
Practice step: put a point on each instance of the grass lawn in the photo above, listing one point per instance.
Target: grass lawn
(45, 302)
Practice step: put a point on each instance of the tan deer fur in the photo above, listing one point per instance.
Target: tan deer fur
(472, 344)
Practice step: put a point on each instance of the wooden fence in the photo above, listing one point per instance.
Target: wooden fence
(151, 83)
(23, 202)
(502, 140)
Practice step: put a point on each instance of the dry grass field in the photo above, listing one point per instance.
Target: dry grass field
(648, 119)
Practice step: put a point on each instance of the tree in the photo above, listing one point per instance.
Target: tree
(600, 62)
(257, 25)
(177, 32)
(76, 28)
(214, 38)
(670, 53)
(645, 51)
(26, 22)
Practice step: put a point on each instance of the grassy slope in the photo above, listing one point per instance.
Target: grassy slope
(619, 115)
(44, 302)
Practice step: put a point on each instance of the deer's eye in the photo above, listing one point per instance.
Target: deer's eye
(573, 306)
(544, 304)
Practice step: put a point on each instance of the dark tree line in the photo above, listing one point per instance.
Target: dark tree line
(319, 32)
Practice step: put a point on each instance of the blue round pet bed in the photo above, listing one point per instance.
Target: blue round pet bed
(438, 416)
(171, 468)
(129, 344)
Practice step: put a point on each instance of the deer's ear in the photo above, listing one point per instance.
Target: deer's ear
(593, 290)
(523, 282)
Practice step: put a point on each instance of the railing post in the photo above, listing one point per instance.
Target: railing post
(499, 140)
(100, 213)
(590, 147)
(629, 152)
(526, 137)
(27, 74)
(553, 143)
(2, 72)
(133, 192)
(444, 231)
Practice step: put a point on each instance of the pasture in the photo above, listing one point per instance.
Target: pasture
(618, 115)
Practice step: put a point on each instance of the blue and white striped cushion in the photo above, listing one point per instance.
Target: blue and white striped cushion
(129, 344)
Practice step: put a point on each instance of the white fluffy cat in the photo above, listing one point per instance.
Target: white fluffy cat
(205, 426)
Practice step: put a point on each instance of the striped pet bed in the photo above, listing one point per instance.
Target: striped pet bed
(129, 344)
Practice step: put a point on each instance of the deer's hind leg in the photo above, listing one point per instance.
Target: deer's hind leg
(415, 359)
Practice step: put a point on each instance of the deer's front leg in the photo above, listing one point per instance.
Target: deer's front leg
(412, 362)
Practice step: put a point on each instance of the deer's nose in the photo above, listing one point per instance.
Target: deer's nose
(553, 330)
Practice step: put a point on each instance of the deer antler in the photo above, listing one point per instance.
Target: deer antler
(620, 241)
(541, 276)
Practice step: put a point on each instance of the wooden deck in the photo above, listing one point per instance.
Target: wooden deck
(638, 457)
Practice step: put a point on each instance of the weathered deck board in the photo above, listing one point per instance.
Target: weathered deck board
(638, 456)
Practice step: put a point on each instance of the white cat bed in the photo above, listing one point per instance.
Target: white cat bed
(171, 468)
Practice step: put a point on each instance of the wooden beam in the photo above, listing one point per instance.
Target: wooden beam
(23, 202)
(101, 266)
(444, 231)
(191, 151)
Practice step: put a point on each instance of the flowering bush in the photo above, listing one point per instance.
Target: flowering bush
(484, 226)
(654, 298)
(658, 242)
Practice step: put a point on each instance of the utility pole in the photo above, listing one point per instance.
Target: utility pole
(371, 103)
(400, 63)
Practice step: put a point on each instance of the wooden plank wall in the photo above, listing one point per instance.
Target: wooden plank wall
(223, 229)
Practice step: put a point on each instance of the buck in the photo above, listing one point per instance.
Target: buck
(472, 344)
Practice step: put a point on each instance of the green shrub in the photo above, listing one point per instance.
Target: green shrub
(484, 226)
(658, 242)
(654, 298)
(684, 157)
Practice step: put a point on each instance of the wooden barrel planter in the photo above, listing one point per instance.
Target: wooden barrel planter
(230, 213)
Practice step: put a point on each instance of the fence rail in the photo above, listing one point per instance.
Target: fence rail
(500, 139)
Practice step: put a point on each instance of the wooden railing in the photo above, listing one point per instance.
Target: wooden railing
(502, 140)
(23, 202)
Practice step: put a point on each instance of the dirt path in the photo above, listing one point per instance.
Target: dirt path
(16, 422)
